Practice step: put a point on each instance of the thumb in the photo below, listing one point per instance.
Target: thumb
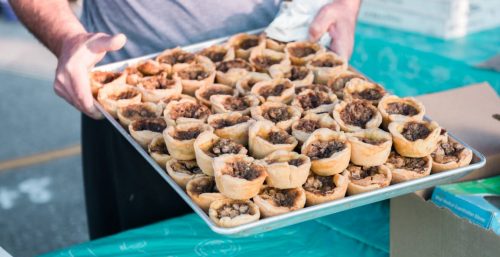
(103, 42)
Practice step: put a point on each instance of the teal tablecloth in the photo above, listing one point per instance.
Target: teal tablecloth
(405, 63)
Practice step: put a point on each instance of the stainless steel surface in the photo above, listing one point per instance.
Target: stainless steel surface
(307, 213)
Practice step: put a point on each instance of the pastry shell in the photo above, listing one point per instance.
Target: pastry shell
(142, 131)
(309, 101)
(419, 147)
(266, 91)
(259, 113)
(237, 187)
(174, 112)
(336, 162)
(298, 75)
(129, 113)
(113, 96)
(402, 174)
(245, 84)
(175, 97)
(218, 53)
(338, 81)
(275, 45)
(99, 79)
(357, 186)
(237, 69)
(373, 122)
(259, 146)
(325, 65)
(302, 59)
(183, 149)
(237, 132)
(227, 222)
(282, 174)
(323, 120)
(160, 156)
(356, 86)
(392, 99)
(226, 103)
(464, 157)
(183, 72)
(237, 42)
(366, 153)
(268, 206)
(314, 198)
(182, 178)
(204, 93)
(202, 144)
(156, 87)
(203, 198)
(271, 58)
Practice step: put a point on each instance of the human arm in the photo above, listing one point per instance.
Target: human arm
(339, 20)
(77, 51)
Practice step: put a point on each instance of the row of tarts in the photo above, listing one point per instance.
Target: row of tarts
(256, 127)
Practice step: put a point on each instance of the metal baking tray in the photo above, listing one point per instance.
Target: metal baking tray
(306, 213)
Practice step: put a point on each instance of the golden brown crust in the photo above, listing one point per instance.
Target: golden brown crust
(183, 171)
(113, 96)
(280, 114)
(180, 139)
(264, 138)
(287, 169)
(203, 191)
(302, 129)
(322, 189)
(370, 147)
(276, 90)
(393, 108)
(356, 115)
(408, 168)
(302, 52)
(129, 113)
(224, 206)
(325, 65)
(231, 125)
(450, 154)
(273, 201)
(330, 151)
(424, 143)
(365, 179)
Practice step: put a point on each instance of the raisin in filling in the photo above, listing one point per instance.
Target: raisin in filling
(244, 170)
(298, 73)
(232, 210)
(155, 125)
(189, 110)
(233, 64)
(302, 51)
(216, 91)
(223, 123)
(281, 197)
(358, 173)
(278, 137)
(224, 146)
(214, 55)
(159, 147)
(264, 62)
(401, 109)
(413, 131)
(319, 184)
(248, 43)
(236, 104)
(307, 125)
(400, 162)
(447, 152)
(188, 134)
(321, 150)
(277, 114)
(273, 90)
(311, 100)
(357, 114)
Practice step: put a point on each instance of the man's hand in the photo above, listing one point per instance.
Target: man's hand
(339, 20)
(77, 56)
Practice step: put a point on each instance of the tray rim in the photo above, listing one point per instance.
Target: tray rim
(307, 213)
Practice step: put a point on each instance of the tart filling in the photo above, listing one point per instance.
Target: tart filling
(234, 209)
(217, 53)
(246, 83)
(278, 90)
(311, 122)
(365, 176)
(132, 112)
(225, 66)
(231, 213)
(417, 165)
(361, 89)
(413, 131)
(228, 122)
(339, 81)
(273, 90)
(187, 134)
(185, 111)
(194, 72)
(224, 146)
(320, 184)
(158, 151)
(204, 93)
(204, 185)
(114, 96)
(225, 103)
(153, 124)
(98, 79)
(274, 201)
(266, 137)
(321, 189)
(356, 115)
(450, 154)
(203, 191)
(279, 197)
(180, 139)
(278, 137)
(175, 56)
(321, 150)
(315, 101)
(317, 88)
(415, 138)
(232, 126)
(183, 171)
(244, 170)
(263, 59)
(394, 108)
(160, 81)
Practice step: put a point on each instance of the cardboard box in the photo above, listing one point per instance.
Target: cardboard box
(417, 226)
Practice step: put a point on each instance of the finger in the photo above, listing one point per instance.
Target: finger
(321, 22)
(102, 43)
(342, 39)
(63, 88)
(83, 93)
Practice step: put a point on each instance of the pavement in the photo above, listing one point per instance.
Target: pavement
(41, 190)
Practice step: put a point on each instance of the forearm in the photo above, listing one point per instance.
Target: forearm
(51, 21)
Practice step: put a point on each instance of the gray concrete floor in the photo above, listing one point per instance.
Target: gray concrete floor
(41, 205)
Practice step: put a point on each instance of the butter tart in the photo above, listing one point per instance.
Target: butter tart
(264, 59)
(275, 45)
(245, 84)
(180, 139)
(322, 189)
(287, 169)
(302, 52)
(226, 103)
(194, 76)
(203, 191)
(394, 108)
(173, 57)
(298, 75)
(239, 176)
(185, 111)
(370, 147)
(244, 44)
(338, 81)
(274, 201)
(148, 68)
(329, 150)
(113, 96)
(175, 97)
(364, 179)
(145, 130)
(204, 93)
(278, 113)
(218, 53)
(315, 101)
(325, 65)
(311, 122)
(361, 89)
(132, 112)
(276, 90)
(99, 79)
(313, 87)
(158, 151)
(229, 72)
(415, 138)
(231, 125)
(228, 213)
(408, 168)
(356, 115)
(207, 146)
(450, 155)
(183, 171)
(264, 138)
(156, 87)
